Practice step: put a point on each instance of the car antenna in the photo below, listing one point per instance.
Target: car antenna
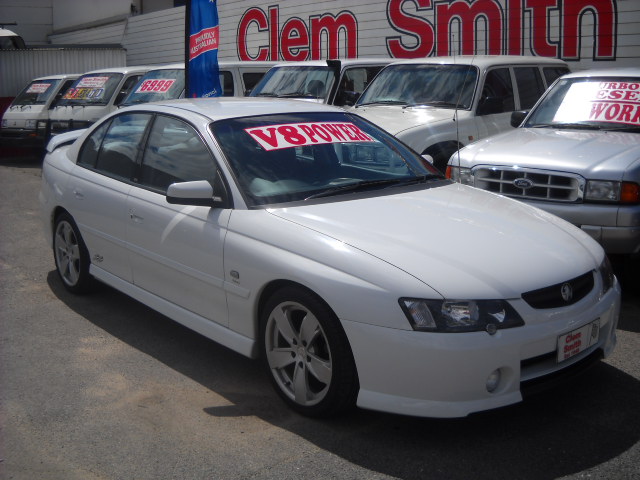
(455, 112)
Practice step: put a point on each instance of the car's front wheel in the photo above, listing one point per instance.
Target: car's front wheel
(307, 353)
(71, 255)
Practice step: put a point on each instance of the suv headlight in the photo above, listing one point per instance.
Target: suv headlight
(460, 315)
(460, 174)
(612, 192)
(30, 124)
(5, 123)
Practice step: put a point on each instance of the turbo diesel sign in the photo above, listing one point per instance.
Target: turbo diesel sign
(567, 29)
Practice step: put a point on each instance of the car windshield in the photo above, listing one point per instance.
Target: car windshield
(157, 85)
(36, 93)
(295, 82)
(92, 89)
(297, 157)
(593, 103)
(435, 85)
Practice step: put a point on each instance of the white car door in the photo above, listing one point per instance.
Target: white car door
(98, 189)
(176, 250)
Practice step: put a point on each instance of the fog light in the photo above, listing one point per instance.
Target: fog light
(493, 381)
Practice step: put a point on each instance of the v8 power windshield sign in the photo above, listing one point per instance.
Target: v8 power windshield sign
(275, 137)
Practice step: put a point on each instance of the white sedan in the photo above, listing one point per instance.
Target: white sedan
(308, 237)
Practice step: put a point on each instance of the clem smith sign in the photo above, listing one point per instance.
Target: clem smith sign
(582, 31)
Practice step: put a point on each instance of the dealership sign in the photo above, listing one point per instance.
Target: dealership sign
(419, 28)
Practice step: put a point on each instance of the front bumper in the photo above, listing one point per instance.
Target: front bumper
(615, 227)
(445, 375)
(21, 138)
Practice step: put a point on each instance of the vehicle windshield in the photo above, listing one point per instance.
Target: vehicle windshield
(435, 85)
(37, 92)
(297, 157)
(157, 85)
(594, 103)
(295, 82)
(92, 89)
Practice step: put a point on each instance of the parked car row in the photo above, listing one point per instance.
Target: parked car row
(320, 239)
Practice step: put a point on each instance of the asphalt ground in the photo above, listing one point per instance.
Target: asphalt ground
(101, 387)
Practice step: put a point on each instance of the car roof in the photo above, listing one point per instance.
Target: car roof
(221, 64)
(220, 108)
(344, 62)
(57, 77)
(606, 72)
(484, 61)
(125, 70)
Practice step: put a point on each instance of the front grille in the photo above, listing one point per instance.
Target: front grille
(552, 297)
(530, 184)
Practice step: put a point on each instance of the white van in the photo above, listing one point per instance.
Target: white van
(168, 81)
(93, 95)
(335, 82)
(24, 123)
(437, 105)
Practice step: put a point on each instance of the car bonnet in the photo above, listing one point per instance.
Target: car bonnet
(462, 242)
(396, 119)
(604, 155)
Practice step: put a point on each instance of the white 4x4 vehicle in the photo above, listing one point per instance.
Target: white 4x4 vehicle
(440, 104)
(576, 155)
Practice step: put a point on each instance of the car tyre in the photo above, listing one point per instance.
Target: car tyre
(307, 354)
(71, 255)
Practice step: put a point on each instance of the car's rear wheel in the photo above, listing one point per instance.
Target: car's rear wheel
(307, 353)
(71, 255)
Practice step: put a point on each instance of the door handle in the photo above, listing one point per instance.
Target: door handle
(78, 194)
(135, 218)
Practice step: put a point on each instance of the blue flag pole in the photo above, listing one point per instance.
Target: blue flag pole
(201, 63)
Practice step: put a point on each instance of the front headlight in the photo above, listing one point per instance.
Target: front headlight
(612, 192)
(606, 274)
(5, 123)
(30, 124)
(460, 174)
(460, 315)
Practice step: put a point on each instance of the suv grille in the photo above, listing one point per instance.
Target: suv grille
(531, 184)
(552, 297)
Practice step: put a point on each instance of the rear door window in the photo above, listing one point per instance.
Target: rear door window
(530, 85)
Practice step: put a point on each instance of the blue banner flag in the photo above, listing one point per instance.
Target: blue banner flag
(202, 66)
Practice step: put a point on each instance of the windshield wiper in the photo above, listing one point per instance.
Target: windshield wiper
(370, 185)
(577, 126)
(266, 94)
(436, 103)
(383, 102)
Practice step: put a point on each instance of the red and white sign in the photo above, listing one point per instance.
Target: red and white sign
(578, 340)
(156, 85)
(92, 82)
(38, 87)
(610, 102)
(203, 41)
(275, 137)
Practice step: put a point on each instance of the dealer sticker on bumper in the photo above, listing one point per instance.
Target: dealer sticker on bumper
(578, 340)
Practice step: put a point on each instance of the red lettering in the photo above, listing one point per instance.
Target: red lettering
(251, 16)
(322, 133)
(274, 18)
(631, 95)
(360, 135)
(295, 40)
(334, 131)
(596, 110)
(270, 138)
(417, 27)
(604, 19)
(348, 132)
(468, 15)
(516, 20)
(612, 111)
(331, 26)
(291, 135)
(625, 114)
(310, 133)
(540, 39)
(615, 94)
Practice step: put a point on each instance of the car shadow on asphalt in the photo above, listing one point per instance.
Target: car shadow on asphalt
(589, 421)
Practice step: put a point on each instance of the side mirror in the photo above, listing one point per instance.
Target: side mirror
(199, 192)
(517, 117)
